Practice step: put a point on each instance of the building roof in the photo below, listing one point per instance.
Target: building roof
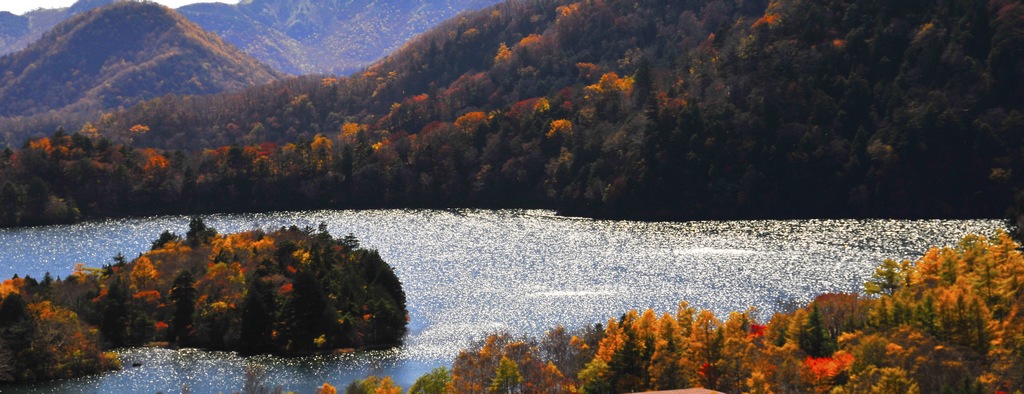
(685, 391)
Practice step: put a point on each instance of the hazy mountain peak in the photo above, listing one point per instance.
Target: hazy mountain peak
(17, 31)
(81, 6)
(335, 36)
(118, 55)
(293, 36)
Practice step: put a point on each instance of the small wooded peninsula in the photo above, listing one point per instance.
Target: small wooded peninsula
(288, 292)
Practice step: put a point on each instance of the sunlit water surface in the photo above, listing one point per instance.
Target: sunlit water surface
(468, 273)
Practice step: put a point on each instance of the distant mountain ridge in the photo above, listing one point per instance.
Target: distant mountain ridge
(292, 36)
(118, 55)
(315, 37)
(18, 31)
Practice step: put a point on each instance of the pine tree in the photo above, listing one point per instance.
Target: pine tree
(183, 295)
(258, 316)
(814, 338)
(116, 320)
(305, 313)
(198, 233)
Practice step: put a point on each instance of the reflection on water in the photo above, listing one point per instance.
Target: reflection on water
(471, 272)
(170, 371)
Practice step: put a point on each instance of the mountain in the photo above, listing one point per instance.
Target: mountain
(293, 36)
(17, 31)
(316, 37)
(255, 37)
(118, 55)
(611, 108)
(12, 27)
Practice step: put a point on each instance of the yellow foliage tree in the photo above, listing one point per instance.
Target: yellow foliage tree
(155, 162)
(469, 122)
(90, 131)
(350, 130)
(706, 344)
(61, 336)
(144, 273)
(326, 389)
(542, 105)
(552, 380)
(139, 129)
(11, 286)
(42, 144)
(530, 40)
(665, 370)
(377, 385)
(322, 153)
(388, 386)
(614, 339)
(507, 377)
(611, 83)
(567, 10)
(504, 54)
(562, 127)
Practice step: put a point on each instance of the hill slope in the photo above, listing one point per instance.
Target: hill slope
(660, 109)
(117, 56)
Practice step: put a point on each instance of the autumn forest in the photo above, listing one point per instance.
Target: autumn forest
(885, 107)
(607, 109)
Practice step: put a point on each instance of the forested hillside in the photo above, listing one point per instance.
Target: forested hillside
(662, 110)
(118, 55)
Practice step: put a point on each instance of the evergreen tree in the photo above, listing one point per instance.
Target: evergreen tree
(10, 205)
(258, 317)
(388, 298)
(183, 295)
(16, 326)
(13, 310)
(305, 313)
(116, 315)
(198, 233)
(165, 237)
(814, 338)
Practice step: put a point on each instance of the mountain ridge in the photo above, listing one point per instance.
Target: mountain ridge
(294, 37)
(305, 37)
(18, 31)
(118, 55)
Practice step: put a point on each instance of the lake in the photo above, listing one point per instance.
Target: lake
(469, 272)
